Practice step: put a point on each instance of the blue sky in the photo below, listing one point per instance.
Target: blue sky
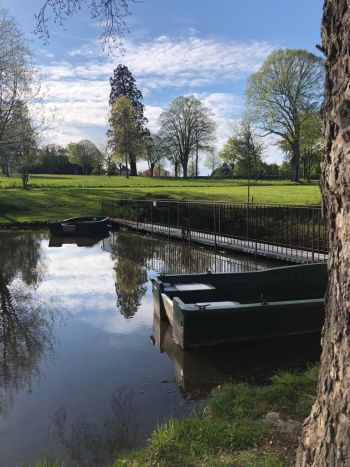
(201, 47)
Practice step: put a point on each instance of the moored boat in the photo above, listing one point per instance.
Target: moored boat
(209, 309)
(79, 226)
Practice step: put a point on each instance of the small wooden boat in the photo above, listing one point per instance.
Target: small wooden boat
(80, 226)
(209, 309)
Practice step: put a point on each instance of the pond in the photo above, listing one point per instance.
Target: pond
(85, 369)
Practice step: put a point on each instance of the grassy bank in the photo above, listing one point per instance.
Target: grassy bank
(232, 430)
(55, 197)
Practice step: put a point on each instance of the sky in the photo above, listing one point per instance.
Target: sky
(174, 47)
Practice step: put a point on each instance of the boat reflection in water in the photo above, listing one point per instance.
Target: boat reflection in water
(199, 371)
(81, 241)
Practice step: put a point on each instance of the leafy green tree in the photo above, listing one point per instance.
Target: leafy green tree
(285, 169)
(229, 153)
(187, 126)
(155, 151)
(23, 146)
(53, 159)
(86, 154)
(284, 93)
(243, 151)
(18, 87)
(124, 135)
(223, 171)
(123, 84)
(312, 146)
(270, 170)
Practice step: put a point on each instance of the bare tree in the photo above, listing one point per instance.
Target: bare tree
(111, 14)
(187, 126)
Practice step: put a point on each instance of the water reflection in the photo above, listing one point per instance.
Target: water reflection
(87, 444)
(130, 271)
(199, 371)
(86, 241)
(26, 324)
(72, 408)
(134, 255)
(176, 257)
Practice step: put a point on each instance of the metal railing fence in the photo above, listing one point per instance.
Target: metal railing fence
(276, 229)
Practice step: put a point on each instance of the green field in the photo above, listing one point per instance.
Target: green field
(58, 196)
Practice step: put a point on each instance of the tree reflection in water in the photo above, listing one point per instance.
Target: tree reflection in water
(25, 321)
(131, 273)
(135, 254)
(88, 445)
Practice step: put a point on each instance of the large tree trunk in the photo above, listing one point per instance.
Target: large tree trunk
(133, 167)
(296, 162)
(325, 439)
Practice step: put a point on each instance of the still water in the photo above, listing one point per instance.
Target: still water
(85, 369)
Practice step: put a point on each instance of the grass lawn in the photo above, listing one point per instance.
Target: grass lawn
(58, 196)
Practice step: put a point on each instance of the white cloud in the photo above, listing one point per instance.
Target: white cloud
(78, 88)
(191, 61)
(152, 113)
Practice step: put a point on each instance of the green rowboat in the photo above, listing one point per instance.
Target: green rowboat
(210, 309)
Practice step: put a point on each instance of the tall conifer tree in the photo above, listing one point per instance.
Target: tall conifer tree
(123, 84)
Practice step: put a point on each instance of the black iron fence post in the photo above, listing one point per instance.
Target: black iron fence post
(152, 215)
(214, 208)
(168, 219)
(137, 215)
(313, 235)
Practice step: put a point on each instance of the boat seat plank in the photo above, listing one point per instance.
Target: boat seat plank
(214, 305)
(193, 286)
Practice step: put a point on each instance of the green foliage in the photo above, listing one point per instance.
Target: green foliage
(155, 150)
(284, 93)
(53, 159)
(223, 171)
(124, 136)
(85, 154)
(229, 153)
(243, 151)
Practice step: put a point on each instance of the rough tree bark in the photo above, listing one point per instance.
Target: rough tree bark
(133, 166)
(325, 439)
